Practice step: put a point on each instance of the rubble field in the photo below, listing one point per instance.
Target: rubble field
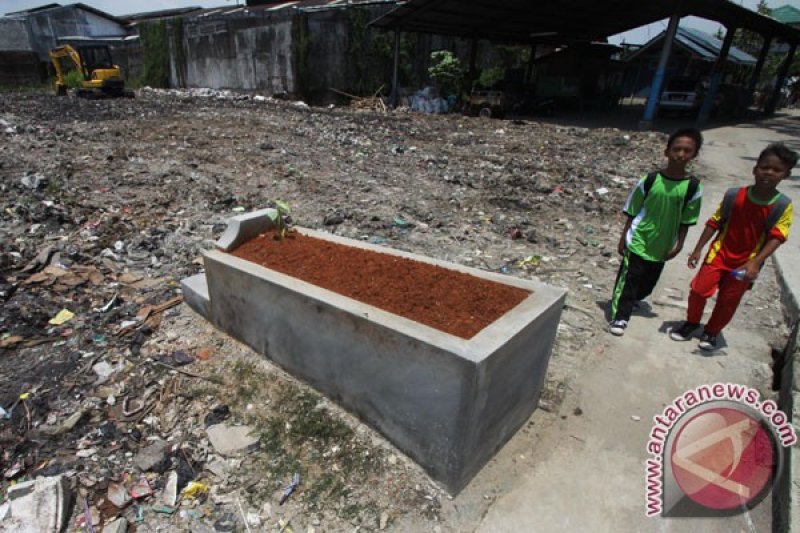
(108, 380)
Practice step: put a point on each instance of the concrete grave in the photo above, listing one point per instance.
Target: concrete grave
(448, 402)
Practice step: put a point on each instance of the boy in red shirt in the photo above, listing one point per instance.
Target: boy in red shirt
(750, 223)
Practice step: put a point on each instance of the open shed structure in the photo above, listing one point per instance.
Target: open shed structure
(569, 21)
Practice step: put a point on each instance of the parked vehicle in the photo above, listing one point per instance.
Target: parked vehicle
(681, 94)
(492, 103)
(487, 103)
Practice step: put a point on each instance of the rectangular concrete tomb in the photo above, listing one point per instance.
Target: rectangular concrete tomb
(447, 402)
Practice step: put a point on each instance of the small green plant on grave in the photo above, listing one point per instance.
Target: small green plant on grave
(279, 215)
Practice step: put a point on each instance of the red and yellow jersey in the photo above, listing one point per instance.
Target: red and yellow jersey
(745, 233)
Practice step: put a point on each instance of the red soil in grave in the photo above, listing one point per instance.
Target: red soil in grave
(447, 300)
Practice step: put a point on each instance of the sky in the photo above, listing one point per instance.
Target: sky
(124, 7)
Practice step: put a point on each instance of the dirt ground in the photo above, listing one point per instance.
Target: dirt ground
(106, 206)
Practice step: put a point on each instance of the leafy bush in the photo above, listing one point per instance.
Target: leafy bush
(74, 79)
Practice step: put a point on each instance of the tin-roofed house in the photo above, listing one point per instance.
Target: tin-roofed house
(694, 54)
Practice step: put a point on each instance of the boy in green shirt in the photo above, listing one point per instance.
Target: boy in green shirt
(660, 210)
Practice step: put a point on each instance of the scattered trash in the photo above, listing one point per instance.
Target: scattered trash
(63, 316)
(532, 261)
(118, 495)
(10, 341)
(107, 306)
(290, 488)
(37, 181)
(177, 358)
(218, 414)
(141, 489)
(226, 522)
(635, 418)
(169, 496)
(204, 354)
(194, 489)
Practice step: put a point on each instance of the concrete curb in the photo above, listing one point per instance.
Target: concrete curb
(786, 493)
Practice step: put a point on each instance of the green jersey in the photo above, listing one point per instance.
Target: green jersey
(658, 215)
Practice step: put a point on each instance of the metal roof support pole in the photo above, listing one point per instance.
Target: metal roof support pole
(473, 66)
(531, 61)
(395, 90)
(779, 82)
(658, 78)
(762, 58)
(716, 77)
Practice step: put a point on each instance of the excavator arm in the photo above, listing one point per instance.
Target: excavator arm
(59, 54)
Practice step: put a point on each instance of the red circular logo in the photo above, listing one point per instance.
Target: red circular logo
(723, 458)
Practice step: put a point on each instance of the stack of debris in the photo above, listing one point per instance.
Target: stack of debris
(376, 102)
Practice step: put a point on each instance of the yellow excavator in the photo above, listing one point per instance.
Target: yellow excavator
(99, 76)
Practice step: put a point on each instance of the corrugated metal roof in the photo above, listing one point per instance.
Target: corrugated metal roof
(48, 7)
(303, 5)
(786, 14)
(521, 20)
(708, 47)
(699, 43)
(232, 11)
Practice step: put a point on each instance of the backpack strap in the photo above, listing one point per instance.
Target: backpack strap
(777, 211)
(691, 190)
(727, 206)
(649, 181)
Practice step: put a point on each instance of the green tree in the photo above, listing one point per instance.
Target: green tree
(446, 72)
(750, 41)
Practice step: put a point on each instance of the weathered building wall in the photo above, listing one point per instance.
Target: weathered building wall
(50, 25)
(19, 65)
(235, 54)
(304, 54)
(14, 36)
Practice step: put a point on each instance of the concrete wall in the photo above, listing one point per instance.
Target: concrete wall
(246, 54)
(233, 54)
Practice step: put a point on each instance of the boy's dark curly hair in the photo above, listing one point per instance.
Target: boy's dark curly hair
(782, 152)
(692, 133)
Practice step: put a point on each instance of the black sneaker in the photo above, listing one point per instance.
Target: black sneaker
(708, 342)
(683, 332)
(617, 327)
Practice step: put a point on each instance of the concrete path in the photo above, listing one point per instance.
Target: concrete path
(591, 475)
